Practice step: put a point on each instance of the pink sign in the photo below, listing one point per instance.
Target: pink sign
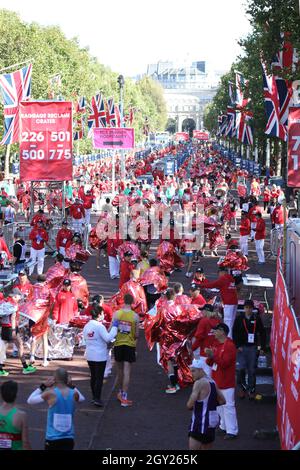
(182, 136)
(113, 138)
(200, 135)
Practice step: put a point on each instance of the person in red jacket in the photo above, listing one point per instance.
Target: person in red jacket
(267, 197)
(260, 235)
(88, 201)
(112, 253)
(277, 217)
(204, 336)
(77, 212)
(65, 305)
(40, 216)
(24, 285)
(222, 359)
(197, 298)
(226, 284)
(63, 236)
(245, 231)
(38, 237)
(126, 267)
(252, 216)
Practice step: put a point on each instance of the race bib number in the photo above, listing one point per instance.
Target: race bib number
(215, 366)
(124, 327)
(62, 422)
(5, 443)
(64, 241)
(78, 210)
(251, 338)
(213, 419)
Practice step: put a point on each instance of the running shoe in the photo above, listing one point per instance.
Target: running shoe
(29, 370)
(98, 403)
(170, 389)
(4, 373)
(126, 403)
(45, 363)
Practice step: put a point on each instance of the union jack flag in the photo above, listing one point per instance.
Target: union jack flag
(222, 121)
(230, 128)
(97, 117)
(15, 87)
(244, 131)
(287, 57)
(110, 113)
(241, 89)
(274, 126)
(80, 108)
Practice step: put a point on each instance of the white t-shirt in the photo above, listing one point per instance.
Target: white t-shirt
(96, 337)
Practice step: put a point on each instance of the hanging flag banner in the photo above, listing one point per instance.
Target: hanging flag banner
(46, 141)
(113, 138)
(200, 135)
(294, 147)
(182, 136)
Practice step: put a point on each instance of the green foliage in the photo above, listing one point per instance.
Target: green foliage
(81, 74)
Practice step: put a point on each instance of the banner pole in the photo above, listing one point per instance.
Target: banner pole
(16, 65)
(113, 176)
(6, 164)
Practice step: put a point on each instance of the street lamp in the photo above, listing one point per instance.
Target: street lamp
(121, 83)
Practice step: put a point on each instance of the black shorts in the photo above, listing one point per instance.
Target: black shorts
(124, 354)
(59, 444)
(206, 438)
(6, 333)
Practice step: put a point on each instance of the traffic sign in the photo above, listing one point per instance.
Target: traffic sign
(113, 138)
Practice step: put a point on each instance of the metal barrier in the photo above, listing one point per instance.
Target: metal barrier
(8, 234)
(24, 229)
(276, 241)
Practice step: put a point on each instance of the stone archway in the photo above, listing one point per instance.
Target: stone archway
(188, 125)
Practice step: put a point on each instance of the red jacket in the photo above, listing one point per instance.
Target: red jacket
(227, 288)
(77, 211)
(223, 362)
(125, 270)
(63, 236)
(88, 201)
(65, 307)
(251, 213)
(26, 289)
(260, 233)
(38, 236)
(277, 216)
(245, 228)
(204, 334)
(37, 218)
(113, 245)
(199, 300)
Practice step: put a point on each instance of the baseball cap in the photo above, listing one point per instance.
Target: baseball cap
(194, 287)
(64, 222)
(128, 253)
(208, 308)
(196, 364)
(223, 327)
(22, 272)
(249, 303)
(67, 282)
(200, 270)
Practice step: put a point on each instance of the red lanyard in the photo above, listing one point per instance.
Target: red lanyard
(254, 328)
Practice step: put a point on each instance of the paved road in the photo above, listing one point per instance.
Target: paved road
(156, 421)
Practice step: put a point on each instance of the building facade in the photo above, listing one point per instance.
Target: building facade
(187, 91)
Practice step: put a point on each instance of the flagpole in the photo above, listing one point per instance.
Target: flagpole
(16, 65)
(6, 164)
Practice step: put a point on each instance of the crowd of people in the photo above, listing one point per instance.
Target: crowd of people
(199, 335)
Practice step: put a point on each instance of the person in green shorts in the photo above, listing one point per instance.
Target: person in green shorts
(13, 422)
(124, 346)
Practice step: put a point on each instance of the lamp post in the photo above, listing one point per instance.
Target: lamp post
(121, 83)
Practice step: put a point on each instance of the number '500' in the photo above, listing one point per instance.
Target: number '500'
(33, 154)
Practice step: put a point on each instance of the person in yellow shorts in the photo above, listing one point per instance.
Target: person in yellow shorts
(125, 346)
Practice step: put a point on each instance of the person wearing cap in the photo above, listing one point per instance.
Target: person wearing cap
(63, 236)
(204, 400)
(24, 285)
(88, 201)
(126, 267)
(277, 217)
(10, 334)
(19, 252)
(197, 298)
(228, 292)
(204, 335)
(113, 243)
(221, 357)
(198, 276)
(245, 230)
(77, 212)
(248, 331)
(260, 235)
(65, 305)
(38, 237)
(39, 217)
